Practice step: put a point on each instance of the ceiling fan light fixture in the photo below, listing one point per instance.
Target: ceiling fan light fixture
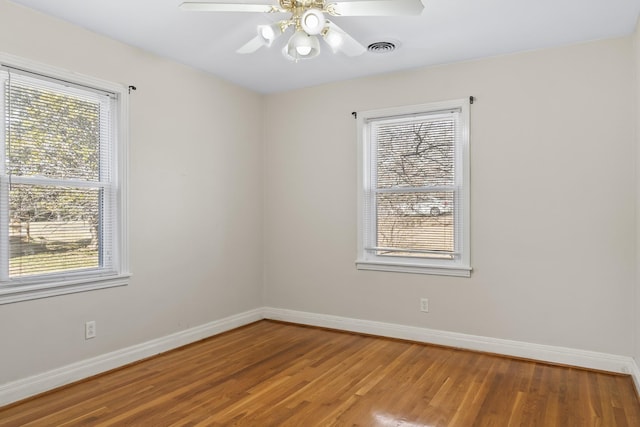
(268, 33)
(312, 21)
(302, 46)
(307, 18)
(333, 38)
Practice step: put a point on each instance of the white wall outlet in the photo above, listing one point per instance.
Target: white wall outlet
(90, 329)
(424, 304)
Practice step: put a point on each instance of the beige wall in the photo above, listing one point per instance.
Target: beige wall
(196, 206)
(552, 205)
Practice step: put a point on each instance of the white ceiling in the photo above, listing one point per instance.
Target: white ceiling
(447, 31)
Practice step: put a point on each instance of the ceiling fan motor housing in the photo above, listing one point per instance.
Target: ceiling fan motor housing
(301, 4)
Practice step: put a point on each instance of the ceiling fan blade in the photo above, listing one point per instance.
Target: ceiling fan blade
(375, 8)
(341, 41)
(251, 46)
(227, 7)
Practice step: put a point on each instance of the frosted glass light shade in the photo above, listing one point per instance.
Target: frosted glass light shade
(268, 33)
(312, 21)
(302, 46)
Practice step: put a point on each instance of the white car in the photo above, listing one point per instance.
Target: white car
(429, 205)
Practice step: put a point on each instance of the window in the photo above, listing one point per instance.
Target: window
(413, 182)
(62, 182)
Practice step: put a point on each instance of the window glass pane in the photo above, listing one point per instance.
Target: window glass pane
(52, 134)
(416, 152)
(416, 224)
(53, 229)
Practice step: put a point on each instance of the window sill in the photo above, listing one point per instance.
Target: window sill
(400, 267)
(17, 293)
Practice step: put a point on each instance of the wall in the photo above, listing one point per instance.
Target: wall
(553, 223)
(636, 310)
(196, 206)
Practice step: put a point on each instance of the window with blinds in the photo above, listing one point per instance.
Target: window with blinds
(60, 209)
(414, 189)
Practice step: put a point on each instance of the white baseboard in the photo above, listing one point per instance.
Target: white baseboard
(23, 388)
(545, 353)
(635, 374)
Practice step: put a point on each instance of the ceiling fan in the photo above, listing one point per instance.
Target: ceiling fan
(307, 19)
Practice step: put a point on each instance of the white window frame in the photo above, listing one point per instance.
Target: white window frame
(16, 290)
(367, 259)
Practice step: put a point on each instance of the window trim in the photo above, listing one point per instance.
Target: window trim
(72, 283)
(367, 261)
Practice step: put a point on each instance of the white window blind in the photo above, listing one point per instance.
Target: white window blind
(59, 190)
(413, 187)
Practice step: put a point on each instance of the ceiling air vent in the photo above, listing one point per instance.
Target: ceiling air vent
(381, 47)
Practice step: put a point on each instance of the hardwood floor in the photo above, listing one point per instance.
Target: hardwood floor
(275, 374)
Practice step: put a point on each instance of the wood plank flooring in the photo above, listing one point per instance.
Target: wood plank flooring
(275, 374)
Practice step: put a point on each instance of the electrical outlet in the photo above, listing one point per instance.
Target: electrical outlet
(90, 330)
(424, 305)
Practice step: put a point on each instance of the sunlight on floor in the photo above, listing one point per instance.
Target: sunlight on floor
(387, 420)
